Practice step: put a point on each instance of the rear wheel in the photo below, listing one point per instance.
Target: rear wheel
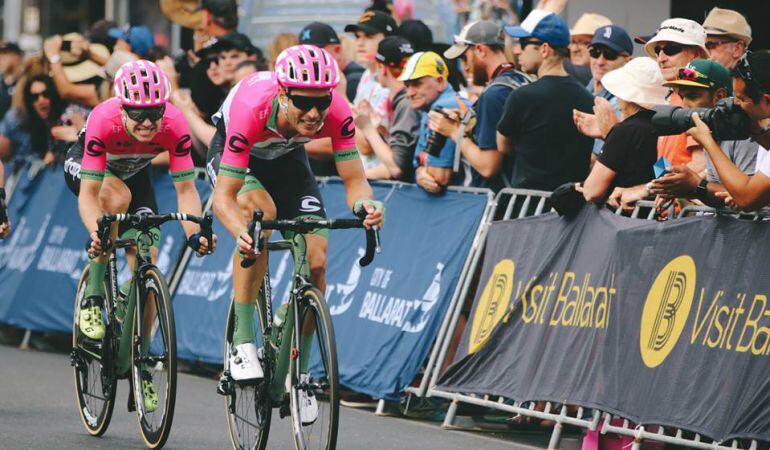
(249, 408)
(156, 364)
(314, 375)
(93, 370)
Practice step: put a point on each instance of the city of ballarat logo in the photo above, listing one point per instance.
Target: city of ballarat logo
(666, 310)
(492, 304)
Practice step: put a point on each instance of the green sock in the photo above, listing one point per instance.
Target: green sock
(95, 285)
(243, 323)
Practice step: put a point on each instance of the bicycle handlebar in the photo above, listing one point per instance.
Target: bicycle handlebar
(256, 225)
(144, 222)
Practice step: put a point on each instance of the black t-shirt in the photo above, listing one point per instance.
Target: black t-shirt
(631, 149)
(547, 147)
(352, 72)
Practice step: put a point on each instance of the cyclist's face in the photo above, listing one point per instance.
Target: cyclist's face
(144, 131)
(307, 122)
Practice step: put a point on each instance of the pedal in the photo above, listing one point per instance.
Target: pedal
(283, 411)
(225, 385)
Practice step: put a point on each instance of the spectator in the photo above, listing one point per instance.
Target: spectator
(416, 32)
(26, 129)
(280, 42)
(630, 149)
(676, 43)
(208, 86)
(246, 68)
(11, 58)
(728, 36)
(702, 84)
(218, 18)
(137, 39)
(425, 78)
(100, 33)
(78, 78)
(233, 49)
(536, 126)
(610, 49)
(396, 151)
(322, 35)
(481, 46)
(580, 38)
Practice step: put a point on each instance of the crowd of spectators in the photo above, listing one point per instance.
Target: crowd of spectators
(526, 103)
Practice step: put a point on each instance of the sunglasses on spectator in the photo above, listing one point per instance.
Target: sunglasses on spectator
(609, 54)
(743, 70)
(525, 42)
(668, 49)
(34, 96)
(688, 74)
(141, 114)
(306, 103)
(711, 45)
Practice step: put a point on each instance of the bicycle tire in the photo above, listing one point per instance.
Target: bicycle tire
(155, 426)
(247, 433)
(95, 417)
(324, 383)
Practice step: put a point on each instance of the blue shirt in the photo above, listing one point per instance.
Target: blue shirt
(21, 140)
(448, 98)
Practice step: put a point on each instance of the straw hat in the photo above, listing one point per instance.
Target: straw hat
(588, 23)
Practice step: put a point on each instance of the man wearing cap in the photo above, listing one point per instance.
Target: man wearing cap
(396, 150)
(425, 77)
(233, 49)
(323, 35)
(11, 58)
(728, 35)
(416, 32)
(701, 85)
(581, 36)
(480, 45)
(537, 125)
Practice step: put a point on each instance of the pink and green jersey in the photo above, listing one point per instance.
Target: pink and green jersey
(250, 117)
(109, 148)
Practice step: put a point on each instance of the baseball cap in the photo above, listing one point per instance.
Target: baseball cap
(318, 34)
(416, 32)
(588, 24)
(703, 73)
(235, 40)
(138, 36)
(726, 22)
(681, 31)
(478, 32)
(424, 64)
(373, 22)
(543, 25)
(614, 37)
(392, 50)
(10, 47)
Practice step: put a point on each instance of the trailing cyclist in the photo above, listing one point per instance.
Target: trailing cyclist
(257, 159)
(5, 222)
(108, 168)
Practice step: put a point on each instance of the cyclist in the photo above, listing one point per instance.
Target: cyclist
(5, 222)
(257, 160)
(108, 168)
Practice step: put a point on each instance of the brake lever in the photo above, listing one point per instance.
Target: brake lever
(207, 232)
(255, 230)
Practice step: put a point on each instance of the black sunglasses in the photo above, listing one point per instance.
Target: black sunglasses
(306, 103)
(711, 45)
(34, 96)
(525, 42)
(609, 54)
(668, 49)
(141, 114)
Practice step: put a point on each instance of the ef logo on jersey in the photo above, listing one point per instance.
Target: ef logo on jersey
(309, 204)
(237, 143)
(95, 147)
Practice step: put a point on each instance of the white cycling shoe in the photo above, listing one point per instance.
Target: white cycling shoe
(244, 364)
(308, 405)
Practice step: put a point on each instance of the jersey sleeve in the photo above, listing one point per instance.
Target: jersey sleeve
(180, 148)
(242, 131)
(95, 149)
(341, 129)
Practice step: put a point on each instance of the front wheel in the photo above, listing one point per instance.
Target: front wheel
(153, 356)
(314, 393)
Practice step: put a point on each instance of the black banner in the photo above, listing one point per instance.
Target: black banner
(661, 323)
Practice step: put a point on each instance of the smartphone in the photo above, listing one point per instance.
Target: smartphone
(66, 46)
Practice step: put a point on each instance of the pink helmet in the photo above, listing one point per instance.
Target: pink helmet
(307, 67)
(141, 83)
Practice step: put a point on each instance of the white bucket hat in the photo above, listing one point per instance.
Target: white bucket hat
(640, 81)
(681, 31)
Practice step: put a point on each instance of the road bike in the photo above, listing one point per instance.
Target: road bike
(293, 362)
(144, 314)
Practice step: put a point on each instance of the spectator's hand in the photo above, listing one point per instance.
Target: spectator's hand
(426, 181)
(614, 199)
(700, 132)
(605, 115)
(443, 125)
(65, 133)
(728, 199)
(182, 99)
(77, 119)
(49, 159)
(5, 229)
(629, 197)
(587, 124)
(52, 46)
(680, 181)
(166, 64)
(192, 58)
(365, 117)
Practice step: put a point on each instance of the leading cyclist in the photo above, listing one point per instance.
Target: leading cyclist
(108, 168)
(258, 160)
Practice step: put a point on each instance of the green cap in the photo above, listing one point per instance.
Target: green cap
(704, 73)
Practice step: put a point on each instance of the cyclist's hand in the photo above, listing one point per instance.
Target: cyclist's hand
(96, 244)
(246, 246)
(375, 212)
(201, 245)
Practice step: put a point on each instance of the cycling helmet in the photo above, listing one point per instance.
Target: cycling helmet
(307, 67)
(141, 84)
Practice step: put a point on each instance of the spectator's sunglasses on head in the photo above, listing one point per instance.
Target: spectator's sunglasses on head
(529, 41)
(609, 54)
(141, 114)
(34, 96)
(743, 71)
(306, 103)
(711, 45)
(688, 74)
(669, 49)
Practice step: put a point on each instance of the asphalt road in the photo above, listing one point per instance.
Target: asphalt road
(38, 411)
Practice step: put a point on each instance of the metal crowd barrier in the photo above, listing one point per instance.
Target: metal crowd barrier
(519, 203)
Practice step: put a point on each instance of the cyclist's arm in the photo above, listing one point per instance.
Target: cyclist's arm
(88, 203)
(189, 203)
(226, 205)
(356, 186)
(182, 171)
(92, 171)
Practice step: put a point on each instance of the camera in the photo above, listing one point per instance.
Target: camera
(726, 120)
(435, 141)
(66, 46)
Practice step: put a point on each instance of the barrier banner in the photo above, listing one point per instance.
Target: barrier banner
(386, 315)
(661, 323)
(41, 262)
